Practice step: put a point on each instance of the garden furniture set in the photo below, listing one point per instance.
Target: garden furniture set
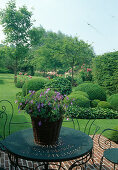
(72, 145)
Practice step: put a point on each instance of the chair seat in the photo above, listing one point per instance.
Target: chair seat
(111, 155)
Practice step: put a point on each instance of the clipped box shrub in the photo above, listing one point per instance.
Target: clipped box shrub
(34, 85)
(80, 93)
(93, 90)
(91, 113)
(60, 84)
(20, 83)
(113, 100)
(94, 103)
(104, 104)
(77, 100)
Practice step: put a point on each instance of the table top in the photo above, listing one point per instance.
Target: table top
(72, 144)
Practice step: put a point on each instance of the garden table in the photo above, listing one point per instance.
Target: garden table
(72, 144)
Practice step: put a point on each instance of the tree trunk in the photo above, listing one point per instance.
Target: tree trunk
(72, 75)
(15, 71)
(72, 72)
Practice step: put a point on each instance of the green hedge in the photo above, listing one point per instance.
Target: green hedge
(113, 100)
(91, 113)
(104, 104)
(105, 71)
(93, 90)
(80, 93)
(60, 84)
(77, 100)
(34, 84)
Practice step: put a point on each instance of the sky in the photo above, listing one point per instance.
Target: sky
(94, 21)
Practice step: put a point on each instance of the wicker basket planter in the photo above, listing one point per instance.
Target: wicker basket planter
(45, 133)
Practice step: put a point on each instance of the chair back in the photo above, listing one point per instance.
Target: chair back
(105, 143)
(6, 115)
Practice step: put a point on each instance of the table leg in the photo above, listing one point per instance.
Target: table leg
(46, 165)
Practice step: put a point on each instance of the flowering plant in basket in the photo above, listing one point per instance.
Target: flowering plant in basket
(47, 110)
(45, 103)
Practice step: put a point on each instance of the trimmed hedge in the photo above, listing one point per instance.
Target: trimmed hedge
(34, 84)
(77, 100)
(104, 104)
(91, 113)
(105, 71)
(113, 100)
(60, 84)
(80, 93)
(93, 90)
(94, 103)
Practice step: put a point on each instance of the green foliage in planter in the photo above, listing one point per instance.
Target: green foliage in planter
(105, 71)
(113, 100)
(34, 84)
(93, 90)
(91, 113)
(77, 100)
(114, 135)
(80, 93)
(104, 104)
(60, 84)
(94, 102)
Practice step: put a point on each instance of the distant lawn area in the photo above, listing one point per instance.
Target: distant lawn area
(8, 91)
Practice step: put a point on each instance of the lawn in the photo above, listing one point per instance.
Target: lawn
(8, 91)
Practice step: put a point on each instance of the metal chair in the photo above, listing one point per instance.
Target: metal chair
(110, 153)
(89, 125)
(6, 122)
(6, 115)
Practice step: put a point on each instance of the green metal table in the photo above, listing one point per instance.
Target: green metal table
(72, 144)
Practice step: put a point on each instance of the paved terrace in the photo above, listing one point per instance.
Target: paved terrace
(98, 152)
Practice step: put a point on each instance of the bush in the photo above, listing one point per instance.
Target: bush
(77, 100)
(114, 135)
(91, 113)
(105, 71)
(80, 93)
(104, 104)
(94, 103)
(34, 84)
(93, 90)
(60, 84)
(20, 83)
(113, 100)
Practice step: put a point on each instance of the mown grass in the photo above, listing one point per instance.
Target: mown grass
(8, 92)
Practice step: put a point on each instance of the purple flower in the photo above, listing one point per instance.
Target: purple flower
(42, 104)
(38, 106)
(39, 123)
(31, 101)
(33, 92)
(67, 98)
(20, 104)
(39, 110)
(54, 108)
(49, 103)
(30, 91)
(26, 102)
(58, 105)
(71, 103)
(19, 111)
